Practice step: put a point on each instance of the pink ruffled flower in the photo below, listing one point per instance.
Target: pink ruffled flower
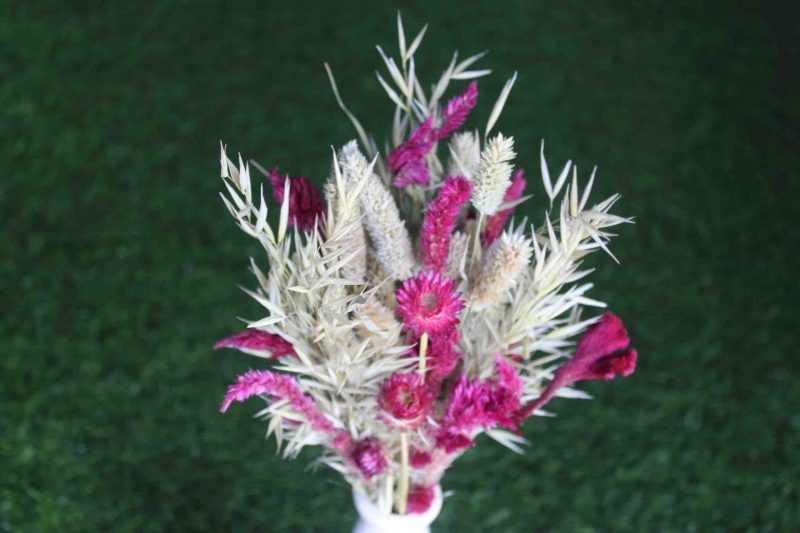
(306, 206)
(405, 398)
(475, 404)
(440, 219)
(257, 342)
(419, 458)
(603, 353)
(369, 457)
(407, 161)
(428, 304)
(495, 223)
(420, 499)
(258, 382)
(457, 110)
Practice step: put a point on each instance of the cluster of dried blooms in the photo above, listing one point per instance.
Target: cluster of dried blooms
(391, 352)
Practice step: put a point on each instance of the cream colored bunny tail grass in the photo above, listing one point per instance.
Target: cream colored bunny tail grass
(465, 154)
(387, 231)
(500, 269)
(493, 176)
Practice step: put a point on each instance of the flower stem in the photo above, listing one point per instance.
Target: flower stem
(476, 243)
(423, 348)
(402, 487)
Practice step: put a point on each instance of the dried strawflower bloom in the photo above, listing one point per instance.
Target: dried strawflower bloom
(405, 398)
(428, 303)
(258, 343)
(368, 455)
(394, 384)
(440, 219)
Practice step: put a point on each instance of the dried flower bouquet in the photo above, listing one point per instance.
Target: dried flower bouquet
(393, 353)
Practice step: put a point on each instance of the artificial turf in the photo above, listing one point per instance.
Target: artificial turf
(119, 264)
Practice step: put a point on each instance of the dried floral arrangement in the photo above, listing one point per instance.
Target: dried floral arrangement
(393, 353)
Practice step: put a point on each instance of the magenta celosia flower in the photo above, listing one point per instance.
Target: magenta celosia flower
(257, 342)
(405, 398)
(496, 222)
(456, 111)
(603, 353)
(407, 161)
(369, 457)
(480, 405)
(419, 458)
(420, 498)
(440, 219)
(504, 398)
(257, 382)
(443, 356)
(306, 206)
(428, 304)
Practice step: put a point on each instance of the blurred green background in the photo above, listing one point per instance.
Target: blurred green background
(119, 263)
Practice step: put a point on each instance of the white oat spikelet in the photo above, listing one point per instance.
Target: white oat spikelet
(465, 154)
(387, 231)
(500, 269)
(493, 176)
(348, 214)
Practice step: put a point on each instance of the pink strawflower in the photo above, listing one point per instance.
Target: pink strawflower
(456, 111)
(440, 219)
(306, 206)
(369, 457)
(257, 342)
(407, 161)
(419, 458)
(603, 353)
(420, 499)
(405, 398)
(496, 222)
(258, 382)
(428, 304)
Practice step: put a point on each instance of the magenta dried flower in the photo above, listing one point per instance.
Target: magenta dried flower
(428, 303)
(420, 498)
(440, 220)
(405, 398)
(602, 354)
(407, 161)
(306, 207)
(257, 342)
(457, 110)
(368, 455)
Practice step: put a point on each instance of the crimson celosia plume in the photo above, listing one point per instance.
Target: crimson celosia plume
(306, 206)
(603, 353)
(440, 220)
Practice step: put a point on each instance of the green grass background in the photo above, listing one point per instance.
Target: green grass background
(119, 264)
